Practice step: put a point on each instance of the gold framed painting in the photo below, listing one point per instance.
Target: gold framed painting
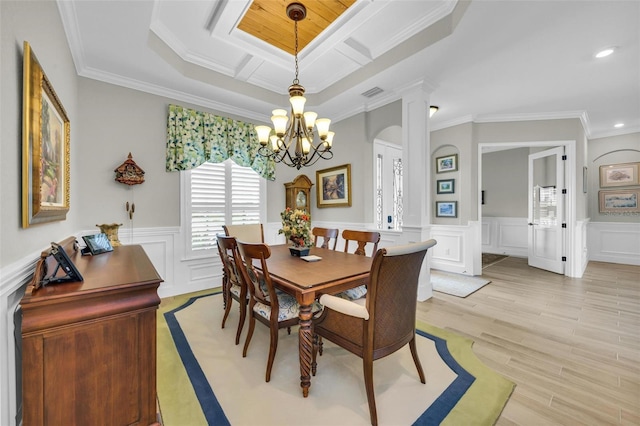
(334, 186)
(45, 147)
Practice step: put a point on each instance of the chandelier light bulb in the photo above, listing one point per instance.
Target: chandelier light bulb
(306, 146)
(263, 134)
(280, 123)
(322, 124)
(310, 119)
(275, 146)
(329, 140)
(297, 104)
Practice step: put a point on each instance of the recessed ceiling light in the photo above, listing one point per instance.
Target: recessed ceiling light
(605, 52)
(618, 125)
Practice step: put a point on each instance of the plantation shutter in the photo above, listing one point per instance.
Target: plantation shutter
(222, 193)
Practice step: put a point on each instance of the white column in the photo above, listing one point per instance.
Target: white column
(416, 160)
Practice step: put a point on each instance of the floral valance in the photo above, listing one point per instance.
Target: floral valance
(195, 137)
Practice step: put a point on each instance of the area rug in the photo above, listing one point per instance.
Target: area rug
(456, 284)
(203, 378)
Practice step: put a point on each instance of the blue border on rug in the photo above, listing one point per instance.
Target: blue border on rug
(211, 408)
(214, 414)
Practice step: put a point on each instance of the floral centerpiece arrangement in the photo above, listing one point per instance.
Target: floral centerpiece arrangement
(296, 226)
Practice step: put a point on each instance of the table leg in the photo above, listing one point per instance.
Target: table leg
(305, 340)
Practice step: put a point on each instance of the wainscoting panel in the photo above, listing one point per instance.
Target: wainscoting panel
(505, 235)
(614, 242)
(454, 251)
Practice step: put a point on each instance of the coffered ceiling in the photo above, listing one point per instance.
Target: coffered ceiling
(480, 60)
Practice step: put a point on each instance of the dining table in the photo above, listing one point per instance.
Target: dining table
(334, 272)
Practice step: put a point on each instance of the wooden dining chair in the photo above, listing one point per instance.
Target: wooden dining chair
(233, 284)
(248, 233)
(268, 305)
(362, 238)
(326, 234)
(385, 323)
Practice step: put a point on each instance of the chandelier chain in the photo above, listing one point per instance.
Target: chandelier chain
(295, 80)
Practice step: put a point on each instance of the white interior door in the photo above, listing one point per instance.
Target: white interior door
(546, 210)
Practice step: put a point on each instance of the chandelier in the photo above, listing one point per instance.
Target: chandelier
(293, 142)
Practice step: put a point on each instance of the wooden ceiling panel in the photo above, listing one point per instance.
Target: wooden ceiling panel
(268, 21)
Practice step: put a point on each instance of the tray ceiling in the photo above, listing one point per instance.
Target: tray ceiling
(480, 60)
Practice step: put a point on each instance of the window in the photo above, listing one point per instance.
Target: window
(388, 185)
(218, 194)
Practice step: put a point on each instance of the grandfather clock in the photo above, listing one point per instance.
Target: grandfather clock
(299, 193)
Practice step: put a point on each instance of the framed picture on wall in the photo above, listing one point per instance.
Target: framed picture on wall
(45, 147)
(334, 186)
(446, 209)
(446, 186)
(619, 175)
(619, 201)
(448, 163)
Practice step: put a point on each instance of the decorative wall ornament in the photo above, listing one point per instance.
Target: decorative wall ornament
(129, 172)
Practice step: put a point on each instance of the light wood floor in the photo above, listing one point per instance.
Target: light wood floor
(572, 346)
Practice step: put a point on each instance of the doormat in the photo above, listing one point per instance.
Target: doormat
(456, 284)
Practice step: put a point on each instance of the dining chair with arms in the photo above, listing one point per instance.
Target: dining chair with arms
(270, 306)
(326, 234)
(233, 284)
(362, 238)
(385, 323)
(249, 233)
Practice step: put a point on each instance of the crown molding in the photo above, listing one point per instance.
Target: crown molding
(70, 26)
(171, 94)
(615, 132)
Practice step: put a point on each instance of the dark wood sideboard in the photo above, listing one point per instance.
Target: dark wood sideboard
(89, 348)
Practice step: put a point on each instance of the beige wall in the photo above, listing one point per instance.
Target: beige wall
(37, 22)
(505, 183)
(353, 144)
(605, 151)
(465, 138)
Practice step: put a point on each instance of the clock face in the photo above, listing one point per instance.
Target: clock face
(301, 199)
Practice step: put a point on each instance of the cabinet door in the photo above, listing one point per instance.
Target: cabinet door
(96, 374)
